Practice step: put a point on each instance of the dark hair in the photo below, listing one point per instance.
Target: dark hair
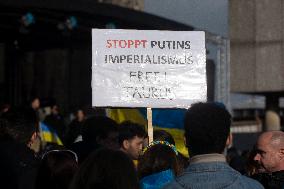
(252, 167)
(128, 130)
(163, 135)
(56, 170)
(157, 158)
(19, 124)
(207, 126)
(232, 152)
(98, 127)
(106, 169)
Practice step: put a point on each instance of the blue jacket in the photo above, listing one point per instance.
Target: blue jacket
(212, 173)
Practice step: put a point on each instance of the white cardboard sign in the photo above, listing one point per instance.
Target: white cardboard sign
(146, 68)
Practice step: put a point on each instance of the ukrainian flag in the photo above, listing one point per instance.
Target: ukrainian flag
(170, 120)
(48, 134)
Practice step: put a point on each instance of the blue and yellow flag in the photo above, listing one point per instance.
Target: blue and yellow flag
(170, 120)
(48, 134)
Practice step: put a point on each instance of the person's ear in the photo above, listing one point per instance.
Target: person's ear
(34, 143)
(125, 144)
(34, 136)
(229, 140)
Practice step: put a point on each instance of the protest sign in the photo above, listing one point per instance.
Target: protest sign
(145, 68)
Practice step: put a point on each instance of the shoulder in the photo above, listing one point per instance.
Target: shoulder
(251, 182)
(173, 185)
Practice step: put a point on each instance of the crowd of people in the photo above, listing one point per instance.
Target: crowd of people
(99, 153)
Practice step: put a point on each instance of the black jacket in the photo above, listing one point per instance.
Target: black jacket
(18, 166)
(273, 180)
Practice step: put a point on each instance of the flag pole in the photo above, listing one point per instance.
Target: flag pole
(150, 124)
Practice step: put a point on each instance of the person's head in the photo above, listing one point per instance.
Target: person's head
(80, 115)
(270, 151)
(162, 135)
(207, 128)
(55, 109)
(4, 108)
(158, 156)
(105, 169)
(35, 103)
(20, 124)
(131, 138)
(252, 167)
(56, 169)
(101, 130)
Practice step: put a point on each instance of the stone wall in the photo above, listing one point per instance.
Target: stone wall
(257, 35)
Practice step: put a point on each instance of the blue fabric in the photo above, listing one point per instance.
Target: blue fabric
(166, 118)
(157, 180)
(48, 134)
(213, 175)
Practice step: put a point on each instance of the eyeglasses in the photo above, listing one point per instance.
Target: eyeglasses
(73, 154)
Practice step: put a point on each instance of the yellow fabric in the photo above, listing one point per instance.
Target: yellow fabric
(120, 115)
(178, 136)
(50, 137)
(135, 162)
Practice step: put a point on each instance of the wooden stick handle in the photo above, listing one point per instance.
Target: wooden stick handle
(150, 124)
